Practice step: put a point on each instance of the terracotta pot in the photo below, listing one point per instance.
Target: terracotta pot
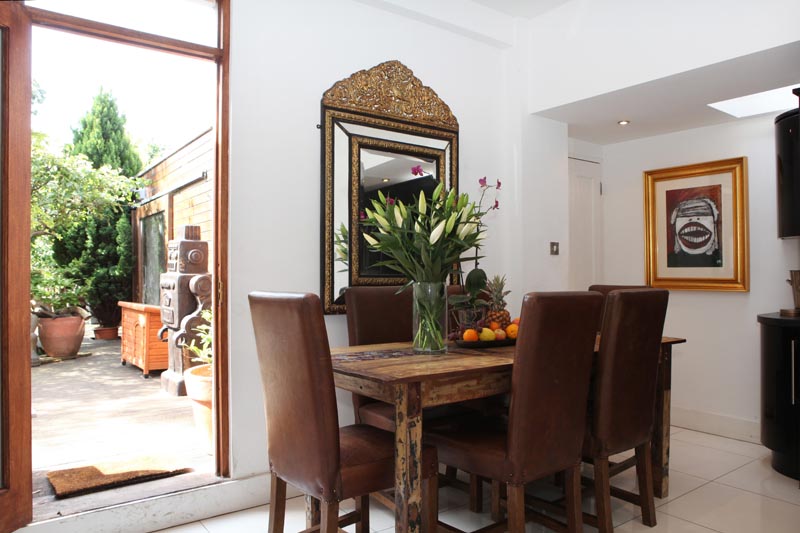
(199, 390)
(61, 337)
(106, 334)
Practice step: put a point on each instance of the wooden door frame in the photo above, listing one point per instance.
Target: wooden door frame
(221, 56)
(16, 503)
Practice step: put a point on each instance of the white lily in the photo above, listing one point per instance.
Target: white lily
(437, 232)
(382, 221)
(398, 216)
(422, 204)
(466, 230)
(417, 228)
(450, 223)
(370, 239)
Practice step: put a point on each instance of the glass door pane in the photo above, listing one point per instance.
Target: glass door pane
(194, 21)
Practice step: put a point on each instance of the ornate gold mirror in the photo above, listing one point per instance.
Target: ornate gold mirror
(382, 130)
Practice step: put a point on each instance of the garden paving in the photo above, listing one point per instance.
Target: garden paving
(92, 409)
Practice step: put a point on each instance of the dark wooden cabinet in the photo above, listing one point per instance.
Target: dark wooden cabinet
(780, 391)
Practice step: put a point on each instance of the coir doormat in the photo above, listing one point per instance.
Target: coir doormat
(93, 478)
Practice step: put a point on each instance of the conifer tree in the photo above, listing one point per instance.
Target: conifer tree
(103, 139)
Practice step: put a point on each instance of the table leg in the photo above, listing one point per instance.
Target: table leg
(662, 423)
(408, 458)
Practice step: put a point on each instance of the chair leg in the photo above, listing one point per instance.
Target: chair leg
(497, 495)
(572, 492)
(516, 508)
(330, 517)
(644, 472)
(475, 493)
(602, 495)
(430, 503)
(312, 511)
(277, 508)
(362, 506)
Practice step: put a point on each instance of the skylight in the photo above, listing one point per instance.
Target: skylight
(759, 103)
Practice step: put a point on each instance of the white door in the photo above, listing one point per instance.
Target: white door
(584, 223)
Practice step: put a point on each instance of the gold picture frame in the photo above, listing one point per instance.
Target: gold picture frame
(696, 227)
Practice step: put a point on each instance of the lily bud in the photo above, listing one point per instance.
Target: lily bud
(437, 232)
(370, 239)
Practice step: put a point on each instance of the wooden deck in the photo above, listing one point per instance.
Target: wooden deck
(92, 409)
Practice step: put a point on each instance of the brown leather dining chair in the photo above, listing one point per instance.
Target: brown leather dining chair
(604, 290)
(622, 407)
(306, 446)
(547, 414)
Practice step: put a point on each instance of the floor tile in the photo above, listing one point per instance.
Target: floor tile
(194, 527)
(675, 429)
(731, 510)
(702, 461)
(679, 484)
(254, 519)
(464, 519)
(738, 447)
(664, 524)
(759, 477)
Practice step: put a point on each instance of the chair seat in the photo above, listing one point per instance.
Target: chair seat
(381, 414)
(367, 460)
(475, 444)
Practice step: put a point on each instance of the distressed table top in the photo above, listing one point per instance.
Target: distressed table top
(397, 363)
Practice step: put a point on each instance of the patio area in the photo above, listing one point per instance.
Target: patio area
(91, 410)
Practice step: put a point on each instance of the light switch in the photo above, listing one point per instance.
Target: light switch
(553, 248)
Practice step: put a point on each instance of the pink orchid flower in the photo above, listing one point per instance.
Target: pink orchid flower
(498, 185)
(389, 200)
(482, 181)
(417, 170)
(496, 205)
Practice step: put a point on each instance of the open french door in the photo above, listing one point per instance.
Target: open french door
(15, 166)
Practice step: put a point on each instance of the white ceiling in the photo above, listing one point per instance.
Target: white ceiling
(669, 104)
(678, 102)
(522, 8)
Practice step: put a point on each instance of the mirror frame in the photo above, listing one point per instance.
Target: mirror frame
(387, 97)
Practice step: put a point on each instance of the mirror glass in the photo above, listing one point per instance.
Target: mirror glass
(364, 153)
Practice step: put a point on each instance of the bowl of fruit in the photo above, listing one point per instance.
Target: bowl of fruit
(496, 328)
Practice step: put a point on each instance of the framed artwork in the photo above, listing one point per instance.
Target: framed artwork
(696, 226)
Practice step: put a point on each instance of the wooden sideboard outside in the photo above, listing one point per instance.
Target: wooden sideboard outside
(141, 346)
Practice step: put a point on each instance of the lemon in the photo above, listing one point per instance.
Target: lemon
(486, 335)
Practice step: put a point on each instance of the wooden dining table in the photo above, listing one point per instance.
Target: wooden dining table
(393, 373)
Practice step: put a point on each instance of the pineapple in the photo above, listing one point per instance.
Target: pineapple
(495, 289)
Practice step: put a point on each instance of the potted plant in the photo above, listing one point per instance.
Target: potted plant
(198, 378)
(61, 321)
(468, 308)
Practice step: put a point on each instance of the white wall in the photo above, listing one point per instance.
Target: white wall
(284, 55)
(716, 374)
(590, 47)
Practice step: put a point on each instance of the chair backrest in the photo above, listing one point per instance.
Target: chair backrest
(625, 382)
(550, 382)
(378, 314)
(296, 373)
(604, 290)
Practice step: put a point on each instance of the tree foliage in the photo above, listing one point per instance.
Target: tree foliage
(66, 189)
(102, 137)
(98, 253)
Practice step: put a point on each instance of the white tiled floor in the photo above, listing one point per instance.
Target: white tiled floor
(717, 485)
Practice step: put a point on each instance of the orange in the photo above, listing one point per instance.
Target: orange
(494, 325)
(512, 330)
(470, 335)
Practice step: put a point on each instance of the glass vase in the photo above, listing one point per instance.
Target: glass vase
(430, 317)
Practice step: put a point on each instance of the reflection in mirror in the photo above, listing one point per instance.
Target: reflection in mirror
(377, 126)
(399, 171)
